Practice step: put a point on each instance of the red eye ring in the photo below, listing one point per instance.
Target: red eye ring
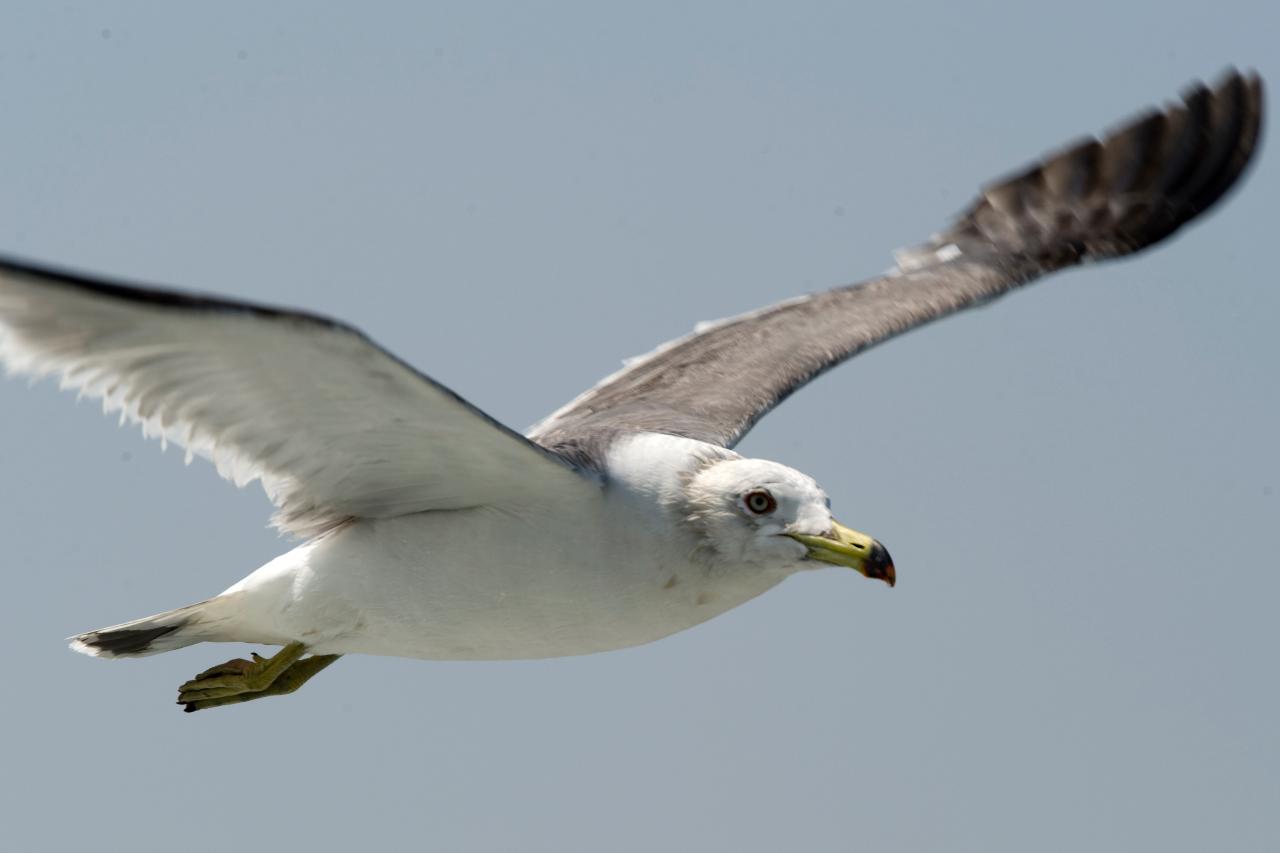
(759, 502)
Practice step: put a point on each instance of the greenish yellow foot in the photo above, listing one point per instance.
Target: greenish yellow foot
(243, 680)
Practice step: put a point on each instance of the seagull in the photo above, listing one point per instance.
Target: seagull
(432, 531)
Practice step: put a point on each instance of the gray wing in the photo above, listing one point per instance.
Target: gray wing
(1096, 199)
(334, 426)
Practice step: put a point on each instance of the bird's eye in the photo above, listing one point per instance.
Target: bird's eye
(760, 502)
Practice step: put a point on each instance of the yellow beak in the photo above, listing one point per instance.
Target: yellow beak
(846, 547)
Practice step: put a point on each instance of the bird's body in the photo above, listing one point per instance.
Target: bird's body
(561, 578)
(435, 532)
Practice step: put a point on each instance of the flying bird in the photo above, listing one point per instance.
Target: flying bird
(433, 531)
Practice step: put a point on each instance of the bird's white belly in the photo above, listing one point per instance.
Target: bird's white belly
(480, 584)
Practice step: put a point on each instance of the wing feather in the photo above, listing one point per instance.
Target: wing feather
(1097, 199)
(332, 425)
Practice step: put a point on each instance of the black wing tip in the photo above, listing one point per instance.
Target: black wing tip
(1126, 191)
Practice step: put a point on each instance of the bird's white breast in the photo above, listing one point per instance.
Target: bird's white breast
(564, 578)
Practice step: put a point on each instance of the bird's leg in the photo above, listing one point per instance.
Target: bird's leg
(288, 681)
(242, 680)
(240, 676)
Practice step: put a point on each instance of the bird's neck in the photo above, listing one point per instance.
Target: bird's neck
(658, 466)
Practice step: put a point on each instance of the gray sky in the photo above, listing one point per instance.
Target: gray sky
(1079, 484)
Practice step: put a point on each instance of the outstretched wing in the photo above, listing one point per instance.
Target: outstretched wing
(1091, 201)
(334, 426)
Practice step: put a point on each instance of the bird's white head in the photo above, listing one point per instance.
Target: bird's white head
(752, 512)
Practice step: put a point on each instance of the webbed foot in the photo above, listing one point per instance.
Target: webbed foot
(242, 680)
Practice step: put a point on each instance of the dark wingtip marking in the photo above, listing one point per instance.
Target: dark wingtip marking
(1133, 188)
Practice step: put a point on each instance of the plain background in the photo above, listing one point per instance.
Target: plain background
(1078, 483)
